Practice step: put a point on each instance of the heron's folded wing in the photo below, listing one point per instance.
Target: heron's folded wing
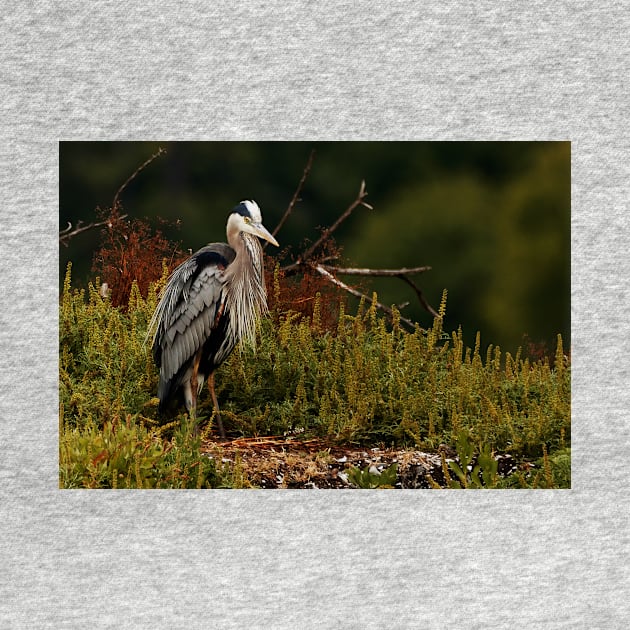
(188, 323)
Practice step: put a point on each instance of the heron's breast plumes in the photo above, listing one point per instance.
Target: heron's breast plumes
(246, 296)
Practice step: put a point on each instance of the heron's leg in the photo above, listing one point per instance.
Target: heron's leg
(215, 402)
(194, 388)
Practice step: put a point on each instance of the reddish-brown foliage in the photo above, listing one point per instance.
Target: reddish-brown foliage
(538, 351)
(131, 250)
(297, 292)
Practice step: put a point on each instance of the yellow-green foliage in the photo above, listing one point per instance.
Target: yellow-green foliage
(371, 382)
(105, 367)
(368, 480)
(106, 374)
(376, 383)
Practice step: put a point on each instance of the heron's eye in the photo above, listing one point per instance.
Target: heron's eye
(247, 220)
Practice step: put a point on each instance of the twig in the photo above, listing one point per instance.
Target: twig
(66, 230)
(324, 272)
(308, 258)
(359, 201)
(401, 273)
(66, 234)
(295, 267)
(349, 271)
(142, 166)
(421, 297)
(296, 195)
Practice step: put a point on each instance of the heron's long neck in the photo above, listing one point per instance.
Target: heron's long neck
(246, 296)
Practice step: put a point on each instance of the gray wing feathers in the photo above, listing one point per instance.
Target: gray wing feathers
(185, 326)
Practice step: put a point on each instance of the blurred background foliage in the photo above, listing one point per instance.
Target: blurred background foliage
(491, 218)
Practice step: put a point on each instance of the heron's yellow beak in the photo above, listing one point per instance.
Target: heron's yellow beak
(261, 231)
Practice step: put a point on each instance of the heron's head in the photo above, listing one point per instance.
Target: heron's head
(246, 217)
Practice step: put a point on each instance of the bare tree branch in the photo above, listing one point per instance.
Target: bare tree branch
(326, 234)
(310, 259)
(421, 297)
(401, 273)
(350, 271)
(69, 232)
(324, 272)
(142, 166)
(296, 195)
(66, 230)
(66, 234)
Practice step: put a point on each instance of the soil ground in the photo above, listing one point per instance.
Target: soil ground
(276, 462)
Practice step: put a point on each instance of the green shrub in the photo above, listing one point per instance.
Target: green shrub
(472, 470)
(374, 383)
(128, 455)
(367, 479)
(367, 382)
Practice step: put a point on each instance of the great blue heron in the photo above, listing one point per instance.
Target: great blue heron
(210, 302)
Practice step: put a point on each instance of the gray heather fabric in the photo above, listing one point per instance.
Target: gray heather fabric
(311, 559)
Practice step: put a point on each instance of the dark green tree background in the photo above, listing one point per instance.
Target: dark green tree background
(491, 218)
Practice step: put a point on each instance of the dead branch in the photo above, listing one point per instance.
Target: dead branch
(350, 271)
(296, 195)
(401, 273)
(421, 297)
(324, 272)
(305, 258)
(69, 232)
(327, 232)
(142, 166)
(66, 234)
(310, 258)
